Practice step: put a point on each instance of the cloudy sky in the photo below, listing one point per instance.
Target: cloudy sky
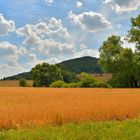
(34, 31)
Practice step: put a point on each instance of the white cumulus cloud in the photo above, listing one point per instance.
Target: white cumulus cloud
(50, 39)
(49, 2)
(10, 55)
(121, 6)
(79, 4)
(53, 28)
(91, 21)
(10, 52)
(6, 26)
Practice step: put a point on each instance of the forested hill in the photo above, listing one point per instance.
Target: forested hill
(26, 75)
(84, 64)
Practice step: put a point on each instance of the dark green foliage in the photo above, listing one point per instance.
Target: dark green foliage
(68, 76)
(137, 68)
(22, 82)
(44, 74)
(84, 64)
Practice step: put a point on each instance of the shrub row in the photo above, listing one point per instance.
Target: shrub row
(85, 80)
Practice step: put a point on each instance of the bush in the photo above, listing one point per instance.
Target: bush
(102, 84)
(57, 84)
(22, 82)
(88, 80)
(62, 84)
(72, 85)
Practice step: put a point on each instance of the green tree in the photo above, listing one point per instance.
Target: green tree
(45, 74)
(68, 76)
(22, 82)
(110, 53)
(119, 61)
(134, 37)
(134, 33)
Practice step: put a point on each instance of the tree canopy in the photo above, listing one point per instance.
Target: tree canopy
(44, 74)
(122, 62)
(134, 32)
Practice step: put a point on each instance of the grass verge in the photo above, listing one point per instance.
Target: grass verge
(113, 130)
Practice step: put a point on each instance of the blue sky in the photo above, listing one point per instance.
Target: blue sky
(34, 31)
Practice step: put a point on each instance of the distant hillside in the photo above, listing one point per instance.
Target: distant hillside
(26, 75)
(77, 65)
(84, 64)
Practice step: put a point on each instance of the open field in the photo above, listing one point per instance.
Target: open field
(103, 77)
(39, 106)
(13, 83)
(113, 130)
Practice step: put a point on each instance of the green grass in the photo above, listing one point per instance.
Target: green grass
(125, 130)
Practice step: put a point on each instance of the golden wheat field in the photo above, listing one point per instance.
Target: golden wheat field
(40, 106)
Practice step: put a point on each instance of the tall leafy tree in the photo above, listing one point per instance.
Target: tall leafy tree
(134, 33)
(110, 53)
(44, 74)
(123, 63)
(134, 37)
(120, 62)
